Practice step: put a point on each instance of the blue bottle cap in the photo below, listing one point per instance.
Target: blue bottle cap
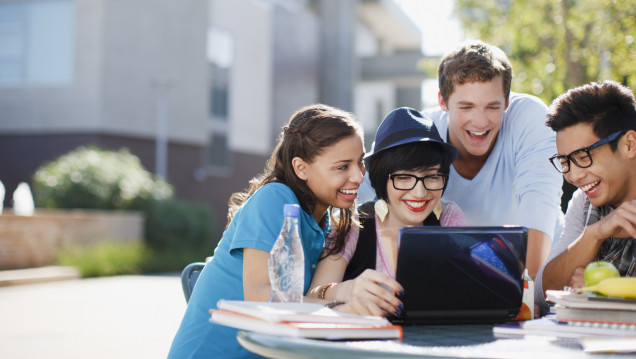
(291, 210)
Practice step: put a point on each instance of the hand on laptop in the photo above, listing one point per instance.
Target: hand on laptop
(362, 307)
(371, 292)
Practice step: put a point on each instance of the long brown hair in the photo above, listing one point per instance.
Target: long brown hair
(309, 131)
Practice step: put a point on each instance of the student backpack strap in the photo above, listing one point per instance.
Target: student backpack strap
(364, 256)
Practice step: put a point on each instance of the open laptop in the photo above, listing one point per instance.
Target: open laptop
(461, 274)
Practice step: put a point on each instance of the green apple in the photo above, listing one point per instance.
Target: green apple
(596, 272)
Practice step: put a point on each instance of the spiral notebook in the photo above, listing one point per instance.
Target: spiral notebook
(461, 274)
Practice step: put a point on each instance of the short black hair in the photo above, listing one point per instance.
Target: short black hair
(412, 156)
(609, 107)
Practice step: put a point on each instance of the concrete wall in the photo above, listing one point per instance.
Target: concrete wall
(251, 85)
(296, 64)
(150, 43)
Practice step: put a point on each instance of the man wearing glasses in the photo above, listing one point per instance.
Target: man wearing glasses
(595, 128)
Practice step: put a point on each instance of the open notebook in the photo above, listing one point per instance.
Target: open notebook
(461, 274)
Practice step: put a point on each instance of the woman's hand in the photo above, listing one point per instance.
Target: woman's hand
(370, 293)
(362, 307)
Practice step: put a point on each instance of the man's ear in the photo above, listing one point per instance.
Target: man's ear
(630, 144)
(441, 101)
(300, 168)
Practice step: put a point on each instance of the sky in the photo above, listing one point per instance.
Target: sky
(440, 31)
(440, 34)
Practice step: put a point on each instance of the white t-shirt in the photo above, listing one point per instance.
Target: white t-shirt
(517, 185)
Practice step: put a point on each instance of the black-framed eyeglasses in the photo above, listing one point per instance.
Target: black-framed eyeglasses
(580, 157)
(406, 182)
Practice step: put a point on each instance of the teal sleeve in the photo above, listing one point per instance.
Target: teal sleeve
(259, 221)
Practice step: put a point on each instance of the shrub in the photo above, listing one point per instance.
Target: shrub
(89, 177)
(106, 258)
(172, 223)
(175, 259)
(176, 232)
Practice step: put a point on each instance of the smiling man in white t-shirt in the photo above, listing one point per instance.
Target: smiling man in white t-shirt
(501, 176)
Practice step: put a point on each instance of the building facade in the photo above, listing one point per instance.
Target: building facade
(197, 89)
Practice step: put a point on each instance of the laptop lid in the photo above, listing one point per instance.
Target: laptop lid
(461, 274)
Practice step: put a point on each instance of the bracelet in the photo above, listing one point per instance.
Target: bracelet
(334, 303)
(323, 290)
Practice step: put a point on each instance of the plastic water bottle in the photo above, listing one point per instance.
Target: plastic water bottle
(287, 261)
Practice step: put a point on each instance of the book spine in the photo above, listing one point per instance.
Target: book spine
(601, 324)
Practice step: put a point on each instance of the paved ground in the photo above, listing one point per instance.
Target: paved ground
(114, 317)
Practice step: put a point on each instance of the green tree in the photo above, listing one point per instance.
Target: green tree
(555, 45)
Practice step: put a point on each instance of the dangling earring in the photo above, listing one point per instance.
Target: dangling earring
(438, 210)
(381, 209)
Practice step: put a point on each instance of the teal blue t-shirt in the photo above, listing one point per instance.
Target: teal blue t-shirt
(255, 225)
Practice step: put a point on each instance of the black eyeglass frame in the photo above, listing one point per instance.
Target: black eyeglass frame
(613, 137)
(418, 179)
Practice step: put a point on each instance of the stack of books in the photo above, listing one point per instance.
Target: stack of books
(593, 310)
(600, 324)
(307, 320)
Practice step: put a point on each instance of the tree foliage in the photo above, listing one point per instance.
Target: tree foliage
(555, 45)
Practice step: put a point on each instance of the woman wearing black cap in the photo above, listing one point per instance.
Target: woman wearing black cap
(408, 168)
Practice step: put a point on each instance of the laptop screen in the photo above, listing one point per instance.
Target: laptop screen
(461, 274)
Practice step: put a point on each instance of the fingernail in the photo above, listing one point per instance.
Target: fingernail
(397, 312)
(401, 306)
(402, 292)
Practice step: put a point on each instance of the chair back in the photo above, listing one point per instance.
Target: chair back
(189, 277)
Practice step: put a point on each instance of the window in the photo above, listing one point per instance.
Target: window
(217, 151)
(37, 42)
(219, 100)
(221, 58)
